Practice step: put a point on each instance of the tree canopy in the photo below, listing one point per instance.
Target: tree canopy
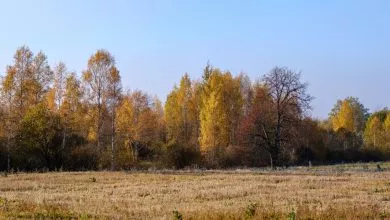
(53, 118)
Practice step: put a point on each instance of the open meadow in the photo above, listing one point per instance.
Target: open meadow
(330, 192)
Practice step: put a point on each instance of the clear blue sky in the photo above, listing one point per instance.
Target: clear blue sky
(341, 47)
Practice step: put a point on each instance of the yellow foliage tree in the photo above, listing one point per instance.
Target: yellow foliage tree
(387, 123)
(350, 115)
(373, 134)
(139, 121)
(344, 118)
(101, 77)
(181, 113)
(220, 110)
(386, 128)
(72, 111)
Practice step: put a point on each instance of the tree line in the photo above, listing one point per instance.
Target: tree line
(54, 119)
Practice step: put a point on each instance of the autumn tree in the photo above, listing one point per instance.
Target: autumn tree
(182, 124)
(42, 77)
(24, 85)
(386, 127)
(71, 108)
(28, 79)
(345, 118)
(8, 94)
(17, 81)
(38, 139)
(256, 127)
(220, 109)
(350, 115)
(57, 91)
(374, 132)
(4, 151)
(139, 123)
(113, 99)
(377, 131)
(50, 118)
(289, 103)
(99, 78)
(72, 112)
(181, 114)
(348, 120)
(246, 92)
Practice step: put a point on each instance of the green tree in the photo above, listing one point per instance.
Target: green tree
(39, 138)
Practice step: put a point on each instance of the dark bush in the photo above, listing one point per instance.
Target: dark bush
(84, 157)
(178, 156)
(3, 155)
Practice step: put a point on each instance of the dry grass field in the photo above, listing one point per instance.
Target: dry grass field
(334, 192)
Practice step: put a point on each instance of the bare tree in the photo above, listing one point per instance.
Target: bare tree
(290, 102)
(279, 104)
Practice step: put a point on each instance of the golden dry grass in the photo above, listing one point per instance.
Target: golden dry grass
(339, 193)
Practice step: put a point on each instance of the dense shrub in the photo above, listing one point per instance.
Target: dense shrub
(3, 155)
(85, 157)
(179, 156)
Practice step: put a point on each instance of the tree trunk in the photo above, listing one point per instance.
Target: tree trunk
(276, 149)
(271, 161)
(274, 157)
(8, 153)
(9, 137)
(134, 147)
(63, 147)
(113, 141)
(99, 128)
